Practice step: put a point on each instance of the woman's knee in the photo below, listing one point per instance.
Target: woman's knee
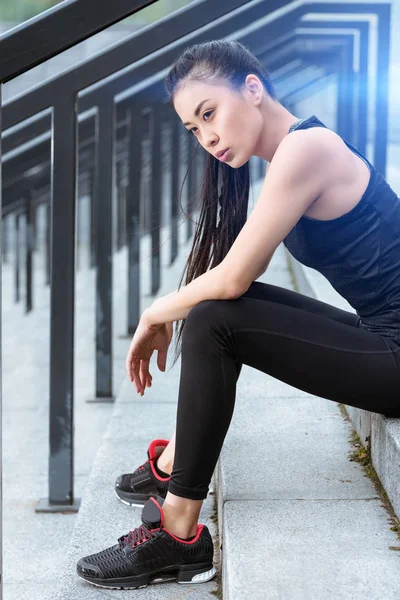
(205, 315)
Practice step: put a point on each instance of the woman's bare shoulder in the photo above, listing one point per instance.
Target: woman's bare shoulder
(334, 156)
(321, 136)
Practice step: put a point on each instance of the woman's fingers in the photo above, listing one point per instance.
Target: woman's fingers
(138, 373)
(144, 371)
(128, 365)
(135, 370)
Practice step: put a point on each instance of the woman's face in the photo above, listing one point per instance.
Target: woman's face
(221, 119)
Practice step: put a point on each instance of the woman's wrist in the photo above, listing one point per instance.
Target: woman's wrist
(147, 318)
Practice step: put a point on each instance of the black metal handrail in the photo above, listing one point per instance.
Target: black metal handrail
(56, 30)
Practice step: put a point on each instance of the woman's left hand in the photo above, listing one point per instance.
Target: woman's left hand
(147, 338)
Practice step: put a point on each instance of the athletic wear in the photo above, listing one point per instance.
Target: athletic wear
(145, 482)
(358, 252)
(299, 340)
(151, 554)
(328, 352)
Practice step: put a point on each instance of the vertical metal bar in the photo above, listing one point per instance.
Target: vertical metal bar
(104, 214)
(133, 217)
(120, 204)
(34, 226)
(363, 91)
(155, 199)
(382, 90)
(63, 188)
(28, 250)
(341, 100)
(48, 241)
(92, 240)
(183, 183)
(346, 93)
(351, 91)
(5, 238)
(47, 217)
(145, 195)
(190, 186)
(175, 153)
(78, 226)
(17, 262)
(122, 237)
(93, 193)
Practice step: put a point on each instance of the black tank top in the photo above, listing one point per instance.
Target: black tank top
(358, 252)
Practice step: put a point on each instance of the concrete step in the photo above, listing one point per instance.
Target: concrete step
(298, 519)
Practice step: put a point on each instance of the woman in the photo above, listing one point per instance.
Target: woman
(335, 213)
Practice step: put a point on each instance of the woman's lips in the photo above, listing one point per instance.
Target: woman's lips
(224, 156)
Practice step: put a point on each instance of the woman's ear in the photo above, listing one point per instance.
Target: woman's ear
(254, 88)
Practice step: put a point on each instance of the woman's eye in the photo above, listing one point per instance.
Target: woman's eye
(208, 112)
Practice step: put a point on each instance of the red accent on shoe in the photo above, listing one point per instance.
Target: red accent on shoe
(199, 530)
(161, 512)
(151, 452)
(156, 474)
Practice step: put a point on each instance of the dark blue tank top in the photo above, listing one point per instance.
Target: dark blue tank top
(358, 252)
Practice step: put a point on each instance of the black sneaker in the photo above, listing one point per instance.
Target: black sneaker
(136, 488)
(151, 554)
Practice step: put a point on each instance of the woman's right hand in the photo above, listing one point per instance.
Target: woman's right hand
(161, 343)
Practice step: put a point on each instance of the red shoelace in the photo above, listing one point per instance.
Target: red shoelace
(143, 466)
(136, 536)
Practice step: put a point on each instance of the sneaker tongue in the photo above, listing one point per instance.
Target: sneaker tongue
(152, 513)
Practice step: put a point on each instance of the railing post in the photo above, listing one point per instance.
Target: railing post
(63, 198)
(92, 226)
(155, 199)
(48, 242)
(133, 216)
(28, 250)
(121, 183)
(103, 221)
(382, 90)
(175, 152)
(362, 126)
(17, 261)
(5, 239)
(191, 187)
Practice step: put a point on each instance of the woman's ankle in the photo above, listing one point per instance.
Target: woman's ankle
(181, 525)
(165, 467)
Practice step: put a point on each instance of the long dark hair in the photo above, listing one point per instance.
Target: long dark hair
(222, 185)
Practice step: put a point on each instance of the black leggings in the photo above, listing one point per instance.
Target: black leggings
(306, 343)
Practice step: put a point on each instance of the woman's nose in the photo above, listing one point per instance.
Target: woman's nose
(212, 141)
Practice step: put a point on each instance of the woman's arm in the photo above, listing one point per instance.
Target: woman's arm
(212, 285)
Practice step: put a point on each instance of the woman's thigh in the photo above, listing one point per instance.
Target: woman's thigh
(273, 293)
(309, 351)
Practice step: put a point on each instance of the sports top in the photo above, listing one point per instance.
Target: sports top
(358, 252)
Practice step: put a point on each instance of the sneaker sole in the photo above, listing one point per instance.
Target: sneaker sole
(139, 503)
(184, 576)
